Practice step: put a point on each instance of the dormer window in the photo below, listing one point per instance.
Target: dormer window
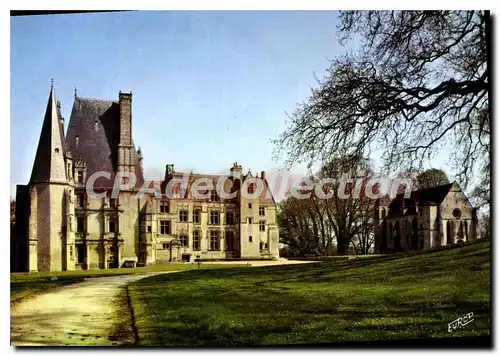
(79, 176)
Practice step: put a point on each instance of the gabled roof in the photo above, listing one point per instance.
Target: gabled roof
(49, 159)
(96, 123)
(229, 184)
(429, 196)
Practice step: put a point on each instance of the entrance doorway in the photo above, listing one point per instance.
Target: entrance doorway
(81, 254)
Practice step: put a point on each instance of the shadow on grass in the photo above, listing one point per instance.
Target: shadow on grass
(384, 298)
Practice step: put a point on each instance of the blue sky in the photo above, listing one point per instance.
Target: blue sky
(209, 88)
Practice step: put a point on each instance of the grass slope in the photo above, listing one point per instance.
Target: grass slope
(389, 297)
(23, 285)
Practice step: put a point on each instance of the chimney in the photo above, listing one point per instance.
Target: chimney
(125, 101)
(236, 170)
(263, 175)
(169, 169)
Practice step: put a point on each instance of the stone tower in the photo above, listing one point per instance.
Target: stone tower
(49, 195)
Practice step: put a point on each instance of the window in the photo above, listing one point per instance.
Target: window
(261, 244)
(249, 238)
(230, 241)
(112, 202)
(149, 228)
(196, 216)
(265, 245)
(249, 205)
(229, 218)
(262, 226)
(80, 252)
(57, 150)
(165, 227)
(383, 213)
(165, 246)
(112, 225)
(183, 216)
(196, 240)
(80, 224)
(262, 211)
(79, 176)
(214, 240)
(164, 208)
(214, 217)
(251, 188)
(79, 200)
(183, 239)
(213, 195)
(250, 220)
(457, 213)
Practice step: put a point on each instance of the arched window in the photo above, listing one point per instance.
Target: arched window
(466, 232)
(383, 245)
(448, 233)
(414, 234)
(460, 235)
(397, 238)
(383, 213)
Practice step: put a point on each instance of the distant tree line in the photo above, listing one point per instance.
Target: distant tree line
(419, 81)
(336, 226)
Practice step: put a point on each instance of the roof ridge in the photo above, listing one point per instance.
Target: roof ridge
(434, 187)
(85, 98)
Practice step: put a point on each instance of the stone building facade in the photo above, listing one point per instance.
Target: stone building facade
(429, 218)
(59, 226)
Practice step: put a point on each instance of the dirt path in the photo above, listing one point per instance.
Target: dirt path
(93, 312)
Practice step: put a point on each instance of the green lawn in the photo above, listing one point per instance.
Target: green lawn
(23, 285)
(388, 297)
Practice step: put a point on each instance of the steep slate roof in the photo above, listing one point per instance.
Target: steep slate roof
(429, 196)
(97, 124)
(229, 184)
(49, 165)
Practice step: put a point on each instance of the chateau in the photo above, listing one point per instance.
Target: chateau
(60, 226)
(429, 218)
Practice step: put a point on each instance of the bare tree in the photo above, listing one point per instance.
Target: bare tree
(320, 224)
(419, 82)
(299, 226)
